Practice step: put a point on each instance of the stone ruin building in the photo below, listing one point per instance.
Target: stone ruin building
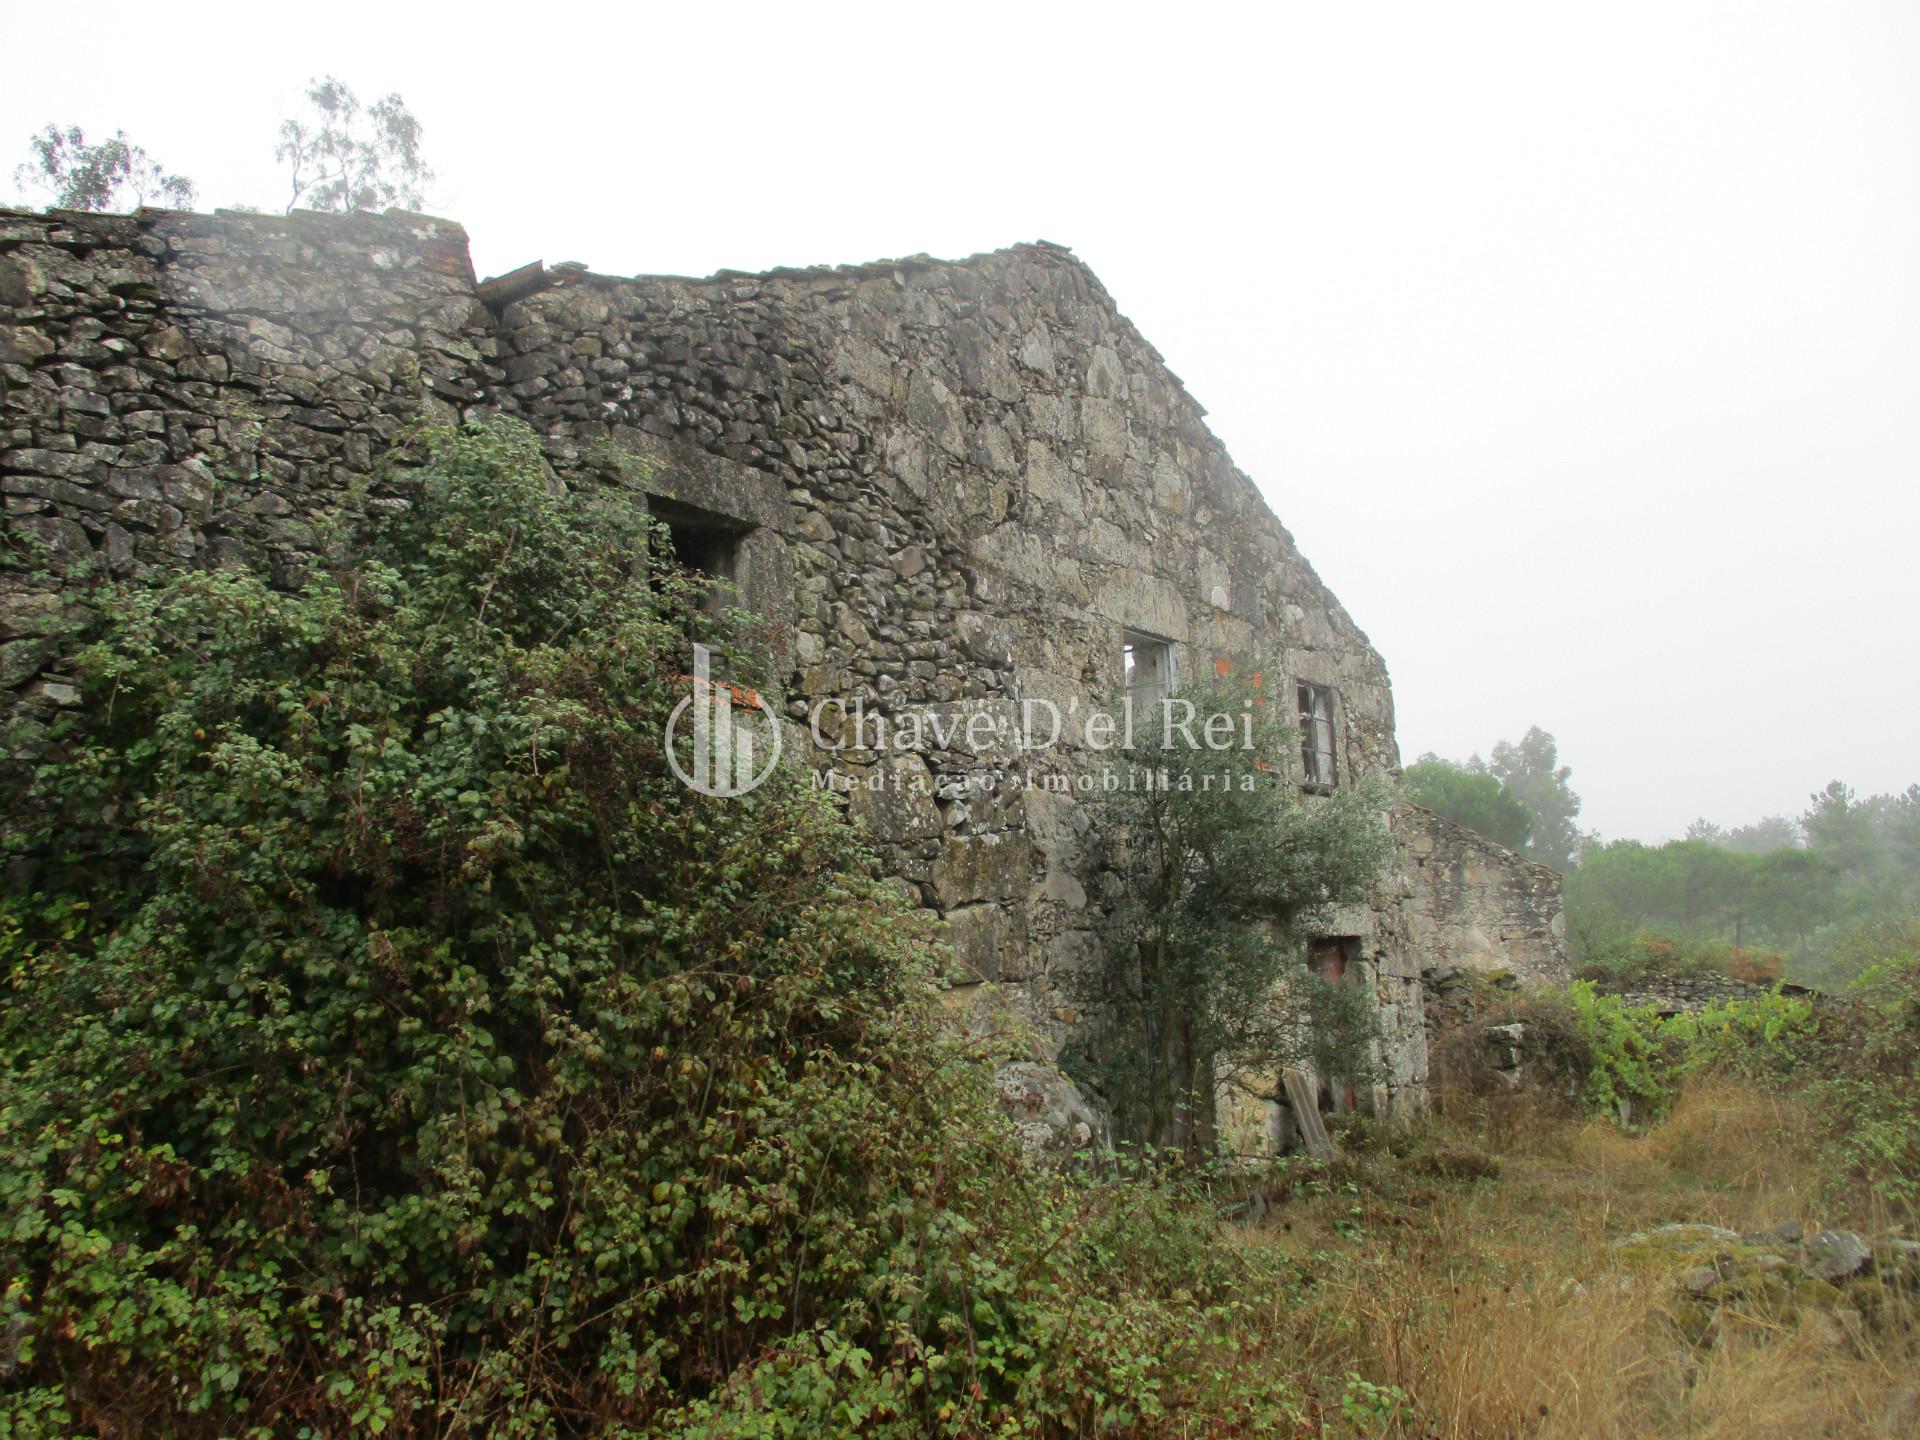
(951, 486)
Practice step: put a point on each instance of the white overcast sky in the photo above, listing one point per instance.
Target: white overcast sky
(1579, 346)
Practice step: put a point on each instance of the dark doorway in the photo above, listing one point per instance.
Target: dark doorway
(1329, 956)
(1336, 959)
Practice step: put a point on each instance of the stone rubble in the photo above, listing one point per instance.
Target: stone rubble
(1720, 1276)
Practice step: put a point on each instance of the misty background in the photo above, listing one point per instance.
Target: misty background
(1578, 349)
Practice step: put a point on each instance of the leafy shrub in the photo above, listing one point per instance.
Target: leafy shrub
(1637, 1056)
(1630, 1071)
(1369, 1408)
(392, 1046)
(1754, 967)
(1760, 1038)
(1863, 1065)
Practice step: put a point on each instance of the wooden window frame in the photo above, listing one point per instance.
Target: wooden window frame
(1318, 709)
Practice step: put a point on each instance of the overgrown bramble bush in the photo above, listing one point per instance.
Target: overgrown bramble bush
(391, 1045)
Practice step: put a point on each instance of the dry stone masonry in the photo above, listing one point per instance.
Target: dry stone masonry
(1687, 992)
(951, 487)
(1475, 904)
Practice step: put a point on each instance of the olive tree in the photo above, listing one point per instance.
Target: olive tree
(1219, 868)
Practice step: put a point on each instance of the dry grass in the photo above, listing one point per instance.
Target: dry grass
(1500, 1309)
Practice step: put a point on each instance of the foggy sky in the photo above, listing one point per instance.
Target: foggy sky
(1579, 347)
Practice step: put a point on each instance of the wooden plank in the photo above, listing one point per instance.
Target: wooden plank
(503, 290)
(1303, 1095)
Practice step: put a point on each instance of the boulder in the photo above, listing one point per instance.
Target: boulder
(1052, 1116)
(1683, 1236)
(1835, 1255)
(1787, 1232)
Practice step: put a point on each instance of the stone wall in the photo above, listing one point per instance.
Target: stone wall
(953, 487)
(180, 389)
(988, 477)
(1477, 905)
(1682, 992)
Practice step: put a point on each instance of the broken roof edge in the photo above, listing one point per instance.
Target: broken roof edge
(825, 271)
(534, 277)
